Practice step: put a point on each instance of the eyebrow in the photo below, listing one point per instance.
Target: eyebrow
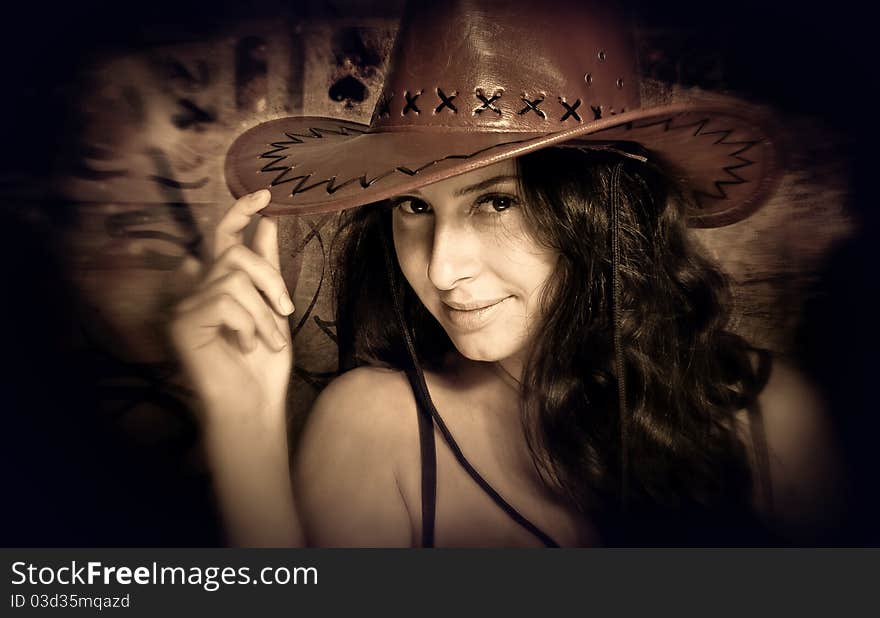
(484, 184)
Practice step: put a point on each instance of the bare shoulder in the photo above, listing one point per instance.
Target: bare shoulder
(345, 476)
(804, 463)
(793, 413)
(367, 396)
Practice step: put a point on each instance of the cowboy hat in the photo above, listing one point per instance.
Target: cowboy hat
(473, 83)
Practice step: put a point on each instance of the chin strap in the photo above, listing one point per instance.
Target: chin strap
(620, 366)
(603, 147)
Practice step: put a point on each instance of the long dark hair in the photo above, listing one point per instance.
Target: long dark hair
(686, 376)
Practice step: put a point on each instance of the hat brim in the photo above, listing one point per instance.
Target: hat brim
(721, 151)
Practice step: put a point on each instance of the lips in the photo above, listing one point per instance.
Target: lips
(471, 306)
(474, 315)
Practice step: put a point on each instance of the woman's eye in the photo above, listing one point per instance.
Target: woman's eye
(498, 203)
(412, 206)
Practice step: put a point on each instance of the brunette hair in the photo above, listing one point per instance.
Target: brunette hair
(686, 376)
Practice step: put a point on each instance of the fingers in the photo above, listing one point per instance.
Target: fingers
(238, 286)
(266, 241)
(264, 275)
(231, 226)
(243, 290)
(200, 318)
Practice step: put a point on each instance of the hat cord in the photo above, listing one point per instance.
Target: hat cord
(617, 316)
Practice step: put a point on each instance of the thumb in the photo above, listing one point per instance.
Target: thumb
(183, 279)
(190, 268)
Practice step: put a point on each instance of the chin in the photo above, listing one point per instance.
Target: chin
(485, 347)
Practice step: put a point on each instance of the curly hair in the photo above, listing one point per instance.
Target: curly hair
(686, 376)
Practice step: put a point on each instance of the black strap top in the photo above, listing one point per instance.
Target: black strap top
(756, 429)
(428, 417)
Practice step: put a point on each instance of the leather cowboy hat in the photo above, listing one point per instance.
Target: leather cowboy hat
(472, 83)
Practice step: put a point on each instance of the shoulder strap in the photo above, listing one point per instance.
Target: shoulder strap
(756, 430)
(429, 466)
(424, 402)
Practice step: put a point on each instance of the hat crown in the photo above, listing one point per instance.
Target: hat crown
(490, 66)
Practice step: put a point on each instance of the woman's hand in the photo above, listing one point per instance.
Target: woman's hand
(233, 339)
(231, 333)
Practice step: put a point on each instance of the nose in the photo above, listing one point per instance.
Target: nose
(454, 256)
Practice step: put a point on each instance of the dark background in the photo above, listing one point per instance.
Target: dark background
(70, 480)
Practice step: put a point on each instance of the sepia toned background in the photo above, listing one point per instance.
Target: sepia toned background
(116, 125)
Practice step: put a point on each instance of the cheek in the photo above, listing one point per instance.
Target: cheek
(526, 264)
(533, 278)
(412, 253)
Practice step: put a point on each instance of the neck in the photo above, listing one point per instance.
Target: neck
(512, 367)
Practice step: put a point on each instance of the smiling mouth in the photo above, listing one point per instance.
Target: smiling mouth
(476, 306)
(473, 315)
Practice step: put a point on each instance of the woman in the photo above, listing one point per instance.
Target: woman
(520, 283)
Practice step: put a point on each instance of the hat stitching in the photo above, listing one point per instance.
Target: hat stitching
(488, 101)
(412, 172)
(570, 109)
(446, 101)
(296, 138)
(411, 102)
(720, 193)
(699, 127)
(532, 105)
(331, 185)
(599, 111)
(384, 105)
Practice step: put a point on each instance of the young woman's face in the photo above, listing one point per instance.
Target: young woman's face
(463, 247)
